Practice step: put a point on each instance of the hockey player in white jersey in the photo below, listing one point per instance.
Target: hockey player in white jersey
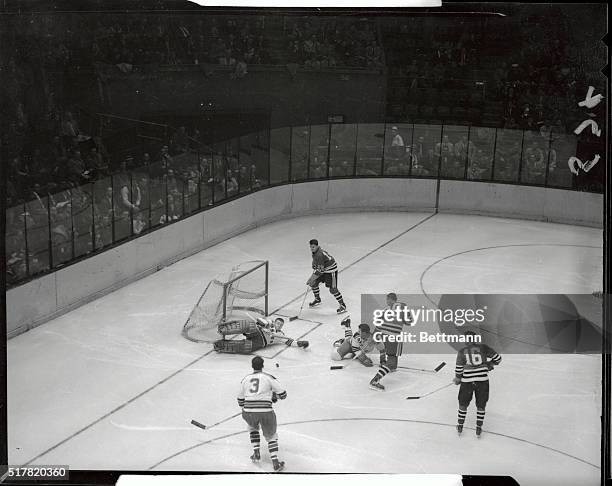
(258, 334)
(257, 392)
(356, 346)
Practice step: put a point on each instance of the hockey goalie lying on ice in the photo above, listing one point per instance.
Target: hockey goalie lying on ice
(258, 334)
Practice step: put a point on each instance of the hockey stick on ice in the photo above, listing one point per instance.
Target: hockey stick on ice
(435, 370)
(431, 392)
(206, 427)
(339, 367)
(293, 318)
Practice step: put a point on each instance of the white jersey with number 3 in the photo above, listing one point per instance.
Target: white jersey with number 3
(256, 390)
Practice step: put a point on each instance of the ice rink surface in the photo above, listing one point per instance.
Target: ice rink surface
(114, 385)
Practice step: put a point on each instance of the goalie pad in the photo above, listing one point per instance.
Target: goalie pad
(236, 327)
(243, 346)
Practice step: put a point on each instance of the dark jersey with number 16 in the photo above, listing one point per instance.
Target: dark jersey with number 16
(473, 362)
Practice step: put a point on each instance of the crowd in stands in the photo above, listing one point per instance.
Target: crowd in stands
(459, 154)
(443, 62)
(93, 204)
(546, 78)
(137, 41)
(65, 187)
(332, 42)
(527, 73)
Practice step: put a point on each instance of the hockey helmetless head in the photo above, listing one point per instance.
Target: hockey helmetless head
(391, 298)
(257, 363)
(278, 324)
(364, 328)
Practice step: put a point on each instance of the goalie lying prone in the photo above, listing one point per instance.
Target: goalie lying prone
(258, 334)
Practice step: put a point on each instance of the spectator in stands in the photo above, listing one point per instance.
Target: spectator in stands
(130, 200)
(77, 171)
(18, 174)
(445, 149)
(165, 158)
(240, 70)
(507, 159)
(105, 205)
(174, 195)
(227, 59)
(181, 140)
(95, 163)
(57, 150)
(104, 209)
(61, 232)
(195, 140)
(400, 166)
(479, 166)
(82, 221)
(244, 178)
(464, 149)
(232, 182)
(344, 169)
(16, 266)
(255, 180)
(534, 162)
(70, 130)
(397, 143)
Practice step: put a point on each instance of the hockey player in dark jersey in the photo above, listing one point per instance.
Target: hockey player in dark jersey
(258, 334)
(325, 271)
(472, 374)
(393, 348)
(356, 346)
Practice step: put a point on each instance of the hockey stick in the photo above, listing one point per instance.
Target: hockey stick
(293, 318)
(435, 370)
(431, 392)
(339, 367)
(205, 427)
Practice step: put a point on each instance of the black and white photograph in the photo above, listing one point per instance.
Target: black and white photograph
(305, 241)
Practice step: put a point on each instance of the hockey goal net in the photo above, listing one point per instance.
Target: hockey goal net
(241, 293)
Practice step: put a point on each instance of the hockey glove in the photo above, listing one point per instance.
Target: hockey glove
(457, 380)
(364, 360)
(274, 397)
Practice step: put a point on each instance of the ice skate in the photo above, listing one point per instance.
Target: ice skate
(376, 385)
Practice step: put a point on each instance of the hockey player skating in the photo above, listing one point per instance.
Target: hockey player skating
(258, 391)
(393, 328)
(472, 374)
(356, 346)
(325, 271)
(258, 334)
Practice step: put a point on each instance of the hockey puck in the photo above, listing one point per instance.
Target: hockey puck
(336, 367)
(277, 365)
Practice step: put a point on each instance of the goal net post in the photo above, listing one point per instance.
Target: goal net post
(241, 293)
